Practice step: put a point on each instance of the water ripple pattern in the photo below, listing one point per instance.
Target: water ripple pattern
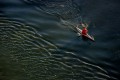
(39, 46)
(66, 9)
(22, 43)
(30, 55)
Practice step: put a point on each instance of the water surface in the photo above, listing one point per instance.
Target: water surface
(38, 40)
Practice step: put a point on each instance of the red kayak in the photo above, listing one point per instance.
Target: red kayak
(87, 35)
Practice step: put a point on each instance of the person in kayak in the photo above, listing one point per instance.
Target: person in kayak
(84, 30)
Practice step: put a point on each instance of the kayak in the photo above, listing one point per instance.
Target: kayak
(87, 35)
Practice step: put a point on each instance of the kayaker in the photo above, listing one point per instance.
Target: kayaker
(84, 30)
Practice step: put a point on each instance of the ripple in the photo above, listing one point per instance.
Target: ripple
(23, 45)
(80, 68)
(66, 9)
(30, 51)
(29, 54)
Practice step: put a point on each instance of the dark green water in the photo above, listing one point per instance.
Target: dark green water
(38, 40)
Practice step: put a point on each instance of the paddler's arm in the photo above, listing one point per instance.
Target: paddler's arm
(86, 24)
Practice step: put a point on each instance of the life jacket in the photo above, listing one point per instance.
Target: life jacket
(84, 31)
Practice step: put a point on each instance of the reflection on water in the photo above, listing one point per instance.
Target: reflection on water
(35, 45)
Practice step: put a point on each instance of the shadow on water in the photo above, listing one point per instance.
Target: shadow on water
(37, 41)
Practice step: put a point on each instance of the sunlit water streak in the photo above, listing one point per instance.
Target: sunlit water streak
(36, 45)
(38, 58)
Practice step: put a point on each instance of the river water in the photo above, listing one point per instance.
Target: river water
(38, 40)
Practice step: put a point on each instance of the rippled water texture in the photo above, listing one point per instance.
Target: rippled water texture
(38, 40)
